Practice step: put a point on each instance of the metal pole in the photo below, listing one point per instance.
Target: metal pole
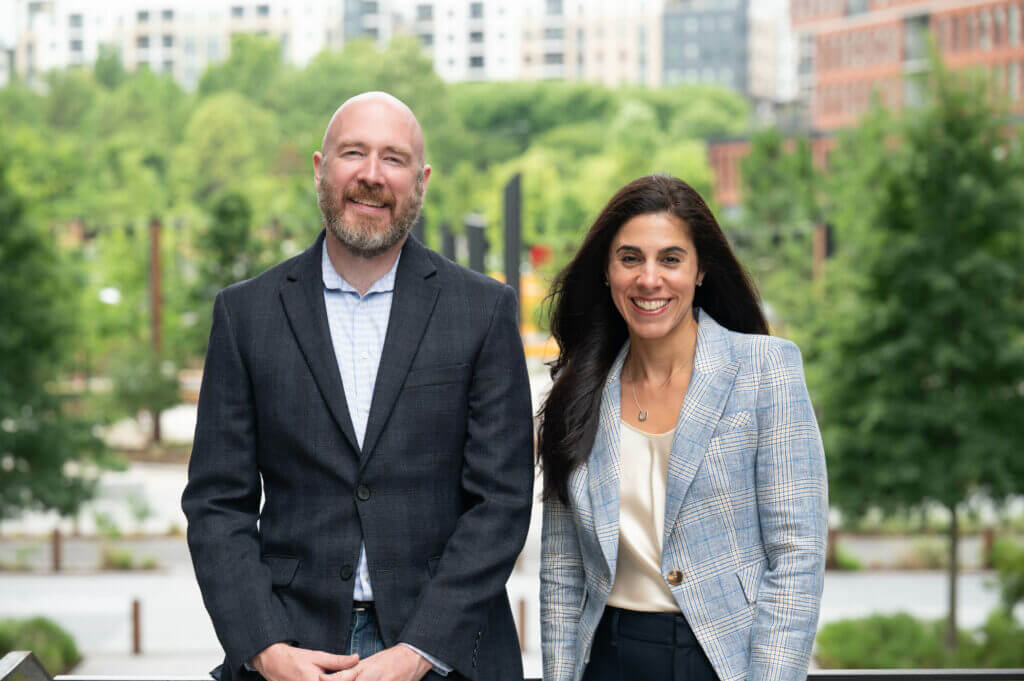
(136, 627)
(419, 229)
(513, 231)
(447, 241)
(56, 553)
(475, 225)
(155, 298)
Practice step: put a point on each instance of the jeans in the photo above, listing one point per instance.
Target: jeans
(365, 638)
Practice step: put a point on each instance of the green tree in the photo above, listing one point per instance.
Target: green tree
(40, 440)
(108, 69)
(923, 348)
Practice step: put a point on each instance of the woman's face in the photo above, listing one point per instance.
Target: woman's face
(652, 273)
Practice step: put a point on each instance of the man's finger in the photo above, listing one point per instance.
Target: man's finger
(334, 663)
(347, 675)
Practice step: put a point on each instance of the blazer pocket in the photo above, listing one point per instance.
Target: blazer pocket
(440, 375)
(282, 569)
(735, 421)
(750, 579)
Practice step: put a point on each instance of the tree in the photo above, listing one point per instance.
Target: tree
(40, 440)
(108, 69)
(924, 347)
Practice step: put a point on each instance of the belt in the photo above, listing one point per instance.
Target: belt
(362, 606)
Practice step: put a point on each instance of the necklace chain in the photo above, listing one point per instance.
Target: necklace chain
(642, 414)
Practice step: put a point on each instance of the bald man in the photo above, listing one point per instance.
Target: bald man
(375, 396)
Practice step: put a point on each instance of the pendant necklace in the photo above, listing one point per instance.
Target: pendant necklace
(642, 414)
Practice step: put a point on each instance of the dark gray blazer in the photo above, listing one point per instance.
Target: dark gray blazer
(440, 492)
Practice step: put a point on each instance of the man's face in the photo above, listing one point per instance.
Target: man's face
(370, 178)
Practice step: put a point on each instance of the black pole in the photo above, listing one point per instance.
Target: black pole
(477, 242)
(513, 231)
(447, 241)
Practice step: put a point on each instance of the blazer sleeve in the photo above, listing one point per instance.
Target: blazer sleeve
(221, 502)
(497, 484)
(792, 502)
(562, 581)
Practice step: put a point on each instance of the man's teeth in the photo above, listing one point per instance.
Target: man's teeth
(650, 305)
(369, 203)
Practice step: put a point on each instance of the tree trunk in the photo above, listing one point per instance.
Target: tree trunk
(951, 637)
(156, 425)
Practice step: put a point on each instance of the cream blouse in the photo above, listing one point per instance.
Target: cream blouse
(639, 584)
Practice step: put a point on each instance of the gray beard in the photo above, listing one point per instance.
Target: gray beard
(360, 237)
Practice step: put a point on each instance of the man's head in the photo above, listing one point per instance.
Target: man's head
(370, 174)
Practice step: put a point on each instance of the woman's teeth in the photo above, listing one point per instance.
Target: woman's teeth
(650, 305)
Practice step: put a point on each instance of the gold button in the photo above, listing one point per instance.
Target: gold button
(675, 577)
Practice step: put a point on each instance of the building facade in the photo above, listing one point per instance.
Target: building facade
(707, 41)
(472, 40)
(854, 50)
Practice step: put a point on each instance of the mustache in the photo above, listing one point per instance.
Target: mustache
(362, 192)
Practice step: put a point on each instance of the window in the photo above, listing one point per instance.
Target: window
(168, 66)
(369, 7)
(142, 16)
(476, 10)
(691, 25)
(1014, 33)
(168, 41)
(476, 36)
(424, 12)
(553, 34)
(167, 15)
(75, 20)
(142, 64)
(76, 45)
(476, 62)
(263, 10)
(691, 51)
(371, 33)
(553, 7)
(237, 11)
(142, 42)
(426, 39)
(554, 58)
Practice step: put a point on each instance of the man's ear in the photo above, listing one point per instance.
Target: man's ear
(318, 161)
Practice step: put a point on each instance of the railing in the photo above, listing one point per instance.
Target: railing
(26, 663)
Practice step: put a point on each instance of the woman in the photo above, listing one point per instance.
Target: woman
(684, 480)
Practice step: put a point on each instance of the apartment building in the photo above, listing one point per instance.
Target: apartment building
(471, 40)
(707, 41)
(181, 37)
(854, 50)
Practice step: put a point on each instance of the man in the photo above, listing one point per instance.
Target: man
(376, 394)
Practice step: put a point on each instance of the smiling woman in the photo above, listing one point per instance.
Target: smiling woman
(685, 498)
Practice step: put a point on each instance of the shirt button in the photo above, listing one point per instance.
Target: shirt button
(346, 572)
(365, 355)
(674, 577)
(362, 492)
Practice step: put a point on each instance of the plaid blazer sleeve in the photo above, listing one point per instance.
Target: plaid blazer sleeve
(562, 581)
(792, 501)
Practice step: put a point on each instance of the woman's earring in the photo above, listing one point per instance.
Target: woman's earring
(607, 284)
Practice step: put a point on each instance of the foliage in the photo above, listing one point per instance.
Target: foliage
(114, 558)
(1007, 558)
(52, 645)
(920, 349)
(901, 642)
(39, 435)
(143, 380)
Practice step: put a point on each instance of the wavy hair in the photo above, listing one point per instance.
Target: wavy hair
(590, 331)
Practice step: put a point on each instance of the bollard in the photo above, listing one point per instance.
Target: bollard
(56, 553)
(136, 627)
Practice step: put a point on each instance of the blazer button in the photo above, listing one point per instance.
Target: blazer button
(346, 572)
(674, 577)
(362, 492)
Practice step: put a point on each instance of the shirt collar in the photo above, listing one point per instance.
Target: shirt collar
(334, 281)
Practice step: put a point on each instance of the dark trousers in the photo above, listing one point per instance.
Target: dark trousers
(637, 646)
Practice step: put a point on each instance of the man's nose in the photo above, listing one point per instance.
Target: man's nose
(370, 170)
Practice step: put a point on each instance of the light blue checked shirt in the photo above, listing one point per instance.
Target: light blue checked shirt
(358, 326)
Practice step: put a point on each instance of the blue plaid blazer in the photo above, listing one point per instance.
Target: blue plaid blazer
(746, 515)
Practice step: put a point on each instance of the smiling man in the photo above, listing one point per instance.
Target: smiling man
(375, 395)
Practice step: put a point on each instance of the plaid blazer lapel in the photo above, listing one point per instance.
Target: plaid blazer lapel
(603, 466)
(714, 371)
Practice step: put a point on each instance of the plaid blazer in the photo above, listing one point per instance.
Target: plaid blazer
(746, 514)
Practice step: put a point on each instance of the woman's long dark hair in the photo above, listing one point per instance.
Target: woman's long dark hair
(590, 331)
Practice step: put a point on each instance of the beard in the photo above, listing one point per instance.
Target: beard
(363, 236)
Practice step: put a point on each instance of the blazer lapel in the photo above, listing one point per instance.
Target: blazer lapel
(303, 297)
(714, 371)
(603, 472)
(413, 303)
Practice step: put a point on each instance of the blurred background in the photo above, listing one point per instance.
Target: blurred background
(863, 156)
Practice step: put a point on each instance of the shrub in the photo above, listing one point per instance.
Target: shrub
(881, 642)
(45, 638)
(116, 559)
(1008, 559)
